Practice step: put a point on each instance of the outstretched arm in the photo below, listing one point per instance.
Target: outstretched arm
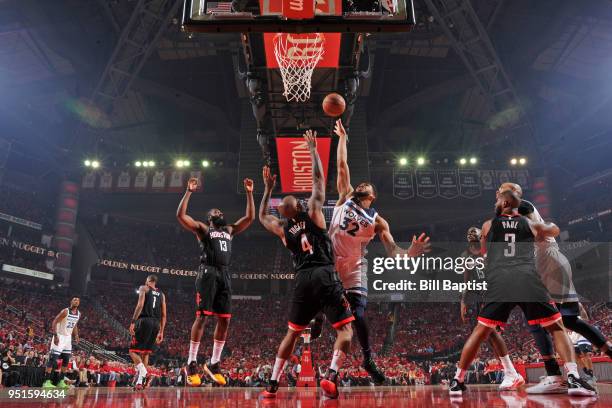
(419, 245)
(317, 198)
(244, 222)
(343, 181)
(181, 213)
(270, 222)
(544, 230)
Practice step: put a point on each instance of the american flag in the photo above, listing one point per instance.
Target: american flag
(218, 7)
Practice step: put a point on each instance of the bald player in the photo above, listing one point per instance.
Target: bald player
(556, 274)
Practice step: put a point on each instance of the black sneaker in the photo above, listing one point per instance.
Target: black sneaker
(270, 391)
(193, 378)
(578, 386)
(370, 366)
(456, 387)
(329, 385)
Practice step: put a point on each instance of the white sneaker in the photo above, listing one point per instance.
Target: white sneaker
(553, 384)
(511, 382)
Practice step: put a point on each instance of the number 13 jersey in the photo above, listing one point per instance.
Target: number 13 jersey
(310, 245)
(352, 228)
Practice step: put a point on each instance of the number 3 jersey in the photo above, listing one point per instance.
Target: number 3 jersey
(352, 228)
(310, 245)
(216, 248)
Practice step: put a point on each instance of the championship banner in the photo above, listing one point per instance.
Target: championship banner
(176, 181)
(140, 181)
(503, 176)
(89, 180)
(159, 180)
(447, 184)
(521, 177)
(295, 165)
(469, 184)
(106, 180)
(403, 184)
(330, 57)
(427, 186)
(487, 179)
(123, 182)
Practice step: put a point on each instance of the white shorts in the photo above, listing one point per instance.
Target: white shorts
(63, 346)
(353, 273)
(556, 274)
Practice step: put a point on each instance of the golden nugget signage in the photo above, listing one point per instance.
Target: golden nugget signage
(111, 263)
(23, 246)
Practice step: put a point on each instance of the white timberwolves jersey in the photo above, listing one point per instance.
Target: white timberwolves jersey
(351, 229)
(67, 324)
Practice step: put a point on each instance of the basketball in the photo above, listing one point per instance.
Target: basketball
(334, 105)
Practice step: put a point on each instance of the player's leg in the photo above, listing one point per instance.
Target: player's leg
(358, 303)
(205, 291)
(141, 345)
(549, 317)
(553, 382)
(571, 320)
(49, 380)
(65, 356)
(222, 309)
(492, 315)
(512, 379)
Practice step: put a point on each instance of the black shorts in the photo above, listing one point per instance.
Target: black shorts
(318, 289)
(358, 302)
(583, 349)
(569, 309)
(146, 329)
(496, 314)
(213, 292)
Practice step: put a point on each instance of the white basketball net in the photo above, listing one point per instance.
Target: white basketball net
(297, 56)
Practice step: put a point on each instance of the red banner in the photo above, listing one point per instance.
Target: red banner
(330, 57)
(295, 164)
(298, 9)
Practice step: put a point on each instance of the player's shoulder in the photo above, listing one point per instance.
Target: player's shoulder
(526, 207)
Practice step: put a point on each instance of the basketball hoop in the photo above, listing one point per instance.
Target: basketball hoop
(297, 56)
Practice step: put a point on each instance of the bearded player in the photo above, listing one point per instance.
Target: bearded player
(556, 274)
(512, 379)
(213, 288)
(317, 287)
(353, 225)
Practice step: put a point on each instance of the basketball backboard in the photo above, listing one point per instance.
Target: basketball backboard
(298, 16)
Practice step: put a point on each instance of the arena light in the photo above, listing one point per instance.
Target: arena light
(145, 164)
(138, 164)
(179, 163)
(87, 163)
(186, 163)
(522, 161)
(403, 161)
(463, 161)
(513, 161)
(95, 164)
(205, 163)
(420, 161)
(151, 163)
(473, 160)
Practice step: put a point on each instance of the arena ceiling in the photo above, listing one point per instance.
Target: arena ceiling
(557, 54)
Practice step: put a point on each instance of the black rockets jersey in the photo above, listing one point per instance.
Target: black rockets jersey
(216, 248)
(152, 304)
(510, 244)
(310, 245)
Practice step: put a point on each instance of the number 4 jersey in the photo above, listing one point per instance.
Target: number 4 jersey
(310, 245)
(352, 228)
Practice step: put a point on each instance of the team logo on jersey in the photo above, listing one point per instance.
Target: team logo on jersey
(220, 234)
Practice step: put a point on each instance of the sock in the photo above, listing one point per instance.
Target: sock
(460, 374)
(572, 368)
(217, 350)
(193, 351)
(279, 365)
(552, 367)
(142, 373)
(337, 359)
(508, 366)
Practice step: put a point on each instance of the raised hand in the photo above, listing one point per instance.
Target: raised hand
(269, 179)
(248, 185)
(339, 129)
(311, 138)
(192, 184)
(419, 245)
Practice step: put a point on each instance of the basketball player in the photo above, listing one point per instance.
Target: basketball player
(64, 329)
(584, 354)
(353, 225)
(512, 379)
(213, 288)
(317, 287)
(556, 274)
(513, 282)
(147, 327)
